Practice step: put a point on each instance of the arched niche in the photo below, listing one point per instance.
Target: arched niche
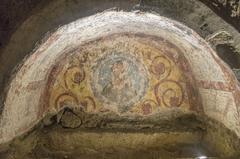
(136, 65)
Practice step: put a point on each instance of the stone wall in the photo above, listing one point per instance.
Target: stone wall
(24, 28)
(149, 67)
(228, 9)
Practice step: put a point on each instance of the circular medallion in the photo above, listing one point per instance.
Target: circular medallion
(119, 80)
(170, 93)
(161, 67)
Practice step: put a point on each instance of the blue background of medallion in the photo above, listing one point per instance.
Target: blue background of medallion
(136, 73)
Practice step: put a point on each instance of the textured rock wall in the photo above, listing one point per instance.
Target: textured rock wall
(228, 9)
(192, 13)
(209, 86)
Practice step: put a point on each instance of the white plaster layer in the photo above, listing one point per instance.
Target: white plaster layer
(22, 103)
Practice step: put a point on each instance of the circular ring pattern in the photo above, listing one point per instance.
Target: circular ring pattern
(73, 76)
(148, 106)
(161, 67)
(170, 93)
(66, 99)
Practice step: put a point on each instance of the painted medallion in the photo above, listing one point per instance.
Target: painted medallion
(119, 80)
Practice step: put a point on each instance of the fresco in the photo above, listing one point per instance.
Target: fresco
(182, 73)
(120, 80)
(101, 78)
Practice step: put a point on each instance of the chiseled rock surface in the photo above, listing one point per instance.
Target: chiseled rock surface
(125, 47)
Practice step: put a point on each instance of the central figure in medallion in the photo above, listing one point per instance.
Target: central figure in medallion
(120, 80)
(119, 88)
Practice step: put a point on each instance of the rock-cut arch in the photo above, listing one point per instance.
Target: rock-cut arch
(132, 64)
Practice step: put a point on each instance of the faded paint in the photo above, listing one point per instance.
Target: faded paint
(132, 78)
(182, 71)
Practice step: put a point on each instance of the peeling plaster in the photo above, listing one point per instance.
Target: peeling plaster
(217, 87)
